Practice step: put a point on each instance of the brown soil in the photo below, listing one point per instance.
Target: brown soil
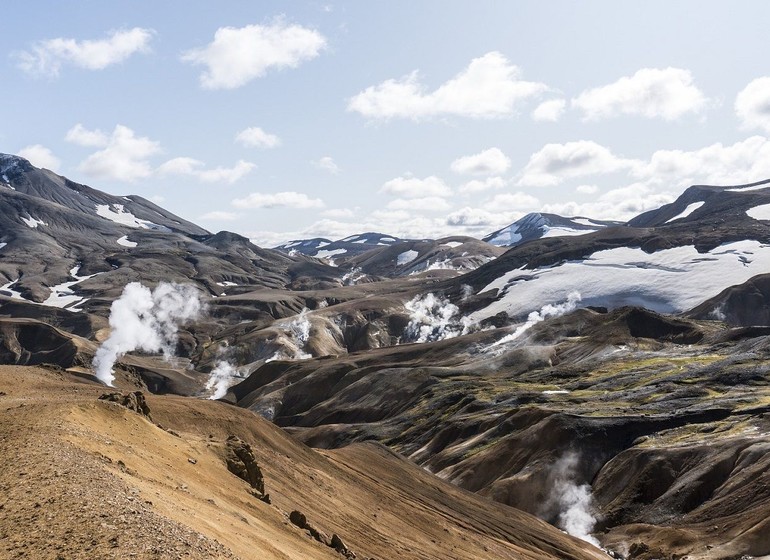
(84, 478)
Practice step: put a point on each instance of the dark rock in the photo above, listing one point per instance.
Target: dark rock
(242, 463)
(134, 401)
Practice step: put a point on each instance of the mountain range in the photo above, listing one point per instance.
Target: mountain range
(608, 378)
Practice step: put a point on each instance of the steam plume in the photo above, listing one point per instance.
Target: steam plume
(546, 312)
(145, 320)
(573, 502)
(221, 378)
(432, 318)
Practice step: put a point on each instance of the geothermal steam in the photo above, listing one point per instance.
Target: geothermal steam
(546, 312)
(145, 320)
(573, 502)
(432, 318)
(221, 378)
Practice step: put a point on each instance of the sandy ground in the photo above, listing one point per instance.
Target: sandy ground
(83, 478)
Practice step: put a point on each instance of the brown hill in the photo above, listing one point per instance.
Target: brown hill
(107, 482)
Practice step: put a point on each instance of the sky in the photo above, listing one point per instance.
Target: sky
(289, 120)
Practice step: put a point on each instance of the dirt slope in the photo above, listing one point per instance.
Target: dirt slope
(84, 478)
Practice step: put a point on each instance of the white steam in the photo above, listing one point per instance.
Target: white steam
(546, 312)
(145, 320)
(222, 377)
(297, 335)
(433, 318)
(573, 501)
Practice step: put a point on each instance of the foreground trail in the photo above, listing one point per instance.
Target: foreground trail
(86, 478)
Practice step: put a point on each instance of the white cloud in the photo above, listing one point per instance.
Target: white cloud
(238, 55)
(554, 163)
(258, 138)
(477, 217)
(219, 216)
(489, 162)
(339, 213)
(286, 199)
(125, 156)
(327, 164)
(40, 156)
(46, 58)
(666, 93)
(587, 189)
(412, 187)
(618, 204)
(477, 186)
(549, 111)
(752, 104)
(518, 201)
(194, 168)
(490, 87)
(81, 136)
(428, 203)
(743, 162)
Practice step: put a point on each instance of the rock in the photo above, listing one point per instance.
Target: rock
(133, 401)
(298, 518)
(339, 545)
(637, 549)
(242, 463)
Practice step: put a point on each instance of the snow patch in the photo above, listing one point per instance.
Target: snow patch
(452, 244)
(667, 281)
(326, 254)
(559, 231)
(761, 212)
(406, 257)
(3, 245)
(125, 242)
(119, 215)
(33, 222)
(687, 211)
(506, 236)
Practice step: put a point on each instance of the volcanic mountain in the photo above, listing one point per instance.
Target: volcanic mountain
(612, 383)
(536, 225)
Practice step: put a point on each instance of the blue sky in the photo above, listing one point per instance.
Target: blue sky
(281, 120)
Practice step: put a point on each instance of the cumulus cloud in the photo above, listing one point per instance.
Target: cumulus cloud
(46, 58)
(587, 189)
(286, 199)
(476, 217)
(238, 55)
(195, 168)
(40, 156)
(338, 213)
(549, 111)
(219, 216)
(743, 162)
(81, 136)
(489, 162)
(752, 104)
(257, 138)
(125, 156)
(512, 201)
(490, 87)
(327, 164)
(665, 93)
(554, 163)
(476, 186)
(428, 203)
(413, 187)
(618, 204)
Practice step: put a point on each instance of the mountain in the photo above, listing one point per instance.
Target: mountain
(89, 244)
(613, 384)
(670, 260)
(323, 248)
(537, 225)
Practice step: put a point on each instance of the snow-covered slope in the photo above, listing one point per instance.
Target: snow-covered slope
(669, 281)
(536, 225)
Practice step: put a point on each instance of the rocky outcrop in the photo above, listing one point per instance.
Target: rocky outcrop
(134, 401)
(242, 463)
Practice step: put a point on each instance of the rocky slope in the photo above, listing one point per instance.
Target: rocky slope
(109, 482)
